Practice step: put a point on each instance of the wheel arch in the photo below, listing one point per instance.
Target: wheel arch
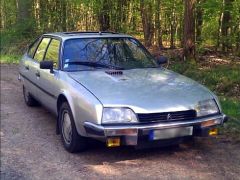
(61, 99)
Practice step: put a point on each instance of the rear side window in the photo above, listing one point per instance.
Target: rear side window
(33, 48)
(39, 54)
(53, 52)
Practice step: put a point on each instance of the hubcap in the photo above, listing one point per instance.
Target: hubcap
(66, 127)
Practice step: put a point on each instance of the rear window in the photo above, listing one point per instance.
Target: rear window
(39, 54)
(33, 47)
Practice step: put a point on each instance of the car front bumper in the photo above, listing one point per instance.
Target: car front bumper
(133, 134)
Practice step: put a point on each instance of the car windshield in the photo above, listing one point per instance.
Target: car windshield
(113, 53)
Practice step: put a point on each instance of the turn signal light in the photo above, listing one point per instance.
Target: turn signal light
(113, 142)
(209, 123)
(213, 132)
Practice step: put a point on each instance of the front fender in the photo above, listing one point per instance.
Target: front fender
(84, 105)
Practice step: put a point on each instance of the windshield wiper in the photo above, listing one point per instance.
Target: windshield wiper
(94, 64)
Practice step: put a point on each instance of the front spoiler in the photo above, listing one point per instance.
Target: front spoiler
(131, 133)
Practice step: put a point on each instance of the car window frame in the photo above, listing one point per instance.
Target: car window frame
(39, 39)
(59, 51)
(37, 48)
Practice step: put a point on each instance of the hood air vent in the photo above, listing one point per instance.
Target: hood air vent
(114, 72)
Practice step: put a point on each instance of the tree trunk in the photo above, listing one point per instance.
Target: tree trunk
(172, 26)
(64, 15)
(158, 24)
(172, 33)
(24, 21)
(199, 22)
(189, 30)
(226, 25)
(238, 38)
(146, 14)
(103, 16)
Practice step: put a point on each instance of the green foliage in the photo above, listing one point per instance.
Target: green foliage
(232, 108)
(224, 80)
(26, 19)
(9, 59)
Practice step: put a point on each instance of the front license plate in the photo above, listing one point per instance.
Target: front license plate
(170, 133)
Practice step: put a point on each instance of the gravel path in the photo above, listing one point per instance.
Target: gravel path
(30, 149)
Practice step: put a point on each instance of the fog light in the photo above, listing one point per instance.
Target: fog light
(113, 142)
(213, 132)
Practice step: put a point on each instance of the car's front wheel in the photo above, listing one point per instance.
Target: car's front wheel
(72, 141)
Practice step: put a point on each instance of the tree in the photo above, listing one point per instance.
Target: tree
(199, 21)
(147, 21)
(226, 25)
(103, 16)
(24, 14)
(189, 30)
(158, 27)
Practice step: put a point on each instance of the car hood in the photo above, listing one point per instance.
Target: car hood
(143, 90)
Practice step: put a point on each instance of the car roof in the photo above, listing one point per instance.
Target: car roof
(86, 34)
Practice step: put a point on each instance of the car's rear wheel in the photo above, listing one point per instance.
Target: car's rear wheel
(72, 141)
(28, 98)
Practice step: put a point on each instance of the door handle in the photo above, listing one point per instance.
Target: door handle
(37, 74)
(27, 67)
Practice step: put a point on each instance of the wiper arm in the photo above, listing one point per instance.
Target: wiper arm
(94, 64)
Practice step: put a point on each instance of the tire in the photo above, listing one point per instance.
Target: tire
(29, 99)
(71, 140)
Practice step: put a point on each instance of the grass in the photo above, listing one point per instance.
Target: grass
(224, 81)
(9, 59)
(231, 107)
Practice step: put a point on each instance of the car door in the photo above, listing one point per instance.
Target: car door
(34, 67)
(27, 68)
(49, 82)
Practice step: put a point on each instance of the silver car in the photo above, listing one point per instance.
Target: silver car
(108, 87)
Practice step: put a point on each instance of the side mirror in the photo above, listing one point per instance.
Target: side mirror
(162, 60)
(47, 65)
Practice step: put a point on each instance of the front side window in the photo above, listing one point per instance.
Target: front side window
(89, 53)
(53, 52)
(39, 54)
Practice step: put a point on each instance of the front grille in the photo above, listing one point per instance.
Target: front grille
(168, 116)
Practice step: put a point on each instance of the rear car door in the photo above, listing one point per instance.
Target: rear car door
(49, 82)
(27, 68)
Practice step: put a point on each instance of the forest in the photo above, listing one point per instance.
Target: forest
(201, 38)
(191, 24)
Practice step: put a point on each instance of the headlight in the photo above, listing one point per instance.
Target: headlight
(118, 115)
(206, 107)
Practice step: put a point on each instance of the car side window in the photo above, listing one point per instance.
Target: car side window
(39, 54)
(33, 47)
(53, 52)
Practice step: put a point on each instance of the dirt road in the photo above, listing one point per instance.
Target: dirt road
(30, 149)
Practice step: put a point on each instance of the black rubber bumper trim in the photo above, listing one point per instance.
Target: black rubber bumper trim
(225, 119)
(93, 131)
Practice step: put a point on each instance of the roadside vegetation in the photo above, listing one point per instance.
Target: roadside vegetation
(223, 78)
